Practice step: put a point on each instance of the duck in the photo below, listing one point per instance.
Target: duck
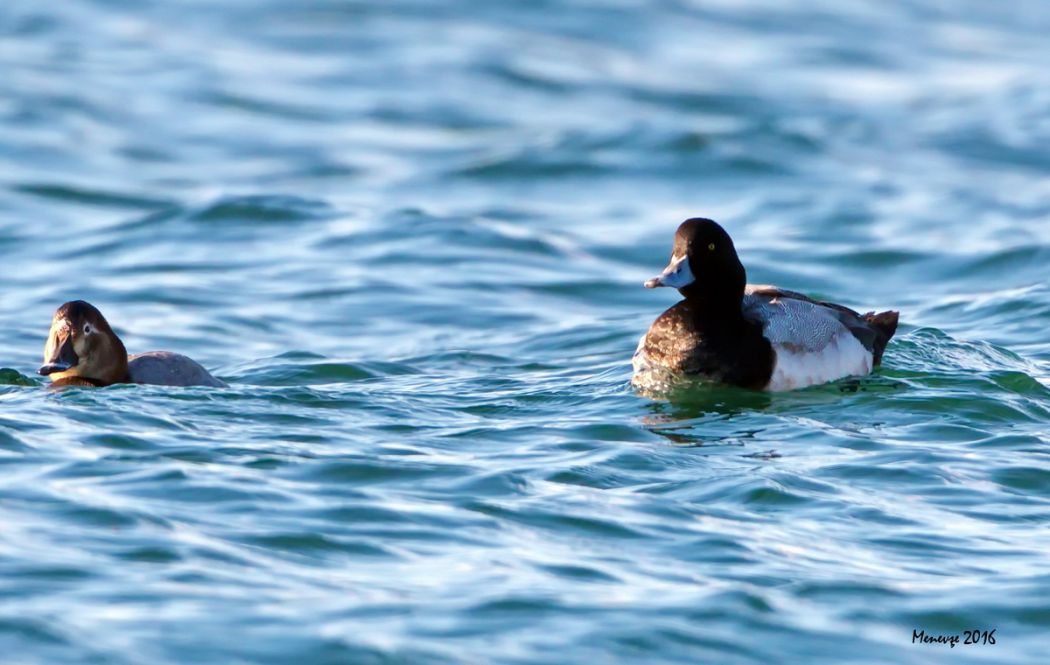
(753, 336)
(82, 350)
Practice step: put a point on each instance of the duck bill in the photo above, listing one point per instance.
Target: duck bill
(676, 275)
(61, 356)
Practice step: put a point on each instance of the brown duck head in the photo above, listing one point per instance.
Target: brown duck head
(82, 349)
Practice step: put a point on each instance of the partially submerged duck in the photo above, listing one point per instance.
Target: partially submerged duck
(753, 336)
(82, 350)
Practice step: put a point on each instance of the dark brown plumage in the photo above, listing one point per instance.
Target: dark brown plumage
(684, 341)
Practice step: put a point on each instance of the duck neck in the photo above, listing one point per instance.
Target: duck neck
(719, 301)
(117, 371)
(719, 315)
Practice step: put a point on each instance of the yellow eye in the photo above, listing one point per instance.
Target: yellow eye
(711, 247)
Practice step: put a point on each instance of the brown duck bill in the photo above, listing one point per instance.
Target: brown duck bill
(63, 358)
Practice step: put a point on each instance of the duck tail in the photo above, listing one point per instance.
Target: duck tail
(884, 324)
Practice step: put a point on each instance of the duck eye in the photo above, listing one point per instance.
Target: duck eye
(711, 247)
(88, 329)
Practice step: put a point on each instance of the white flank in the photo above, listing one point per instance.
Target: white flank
(795, 368)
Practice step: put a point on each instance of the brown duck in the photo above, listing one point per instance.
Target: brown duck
(82, 350)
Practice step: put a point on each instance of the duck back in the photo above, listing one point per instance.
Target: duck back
(164, 368)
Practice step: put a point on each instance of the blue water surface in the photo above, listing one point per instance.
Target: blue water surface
(411, 235)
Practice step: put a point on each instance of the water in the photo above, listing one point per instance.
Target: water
(412, 237)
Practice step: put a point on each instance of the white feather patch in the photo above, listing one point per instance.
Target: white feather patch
(796, 367)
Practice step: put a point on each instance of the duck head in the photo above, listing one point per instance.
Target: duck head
(704, 265)
(82, 346)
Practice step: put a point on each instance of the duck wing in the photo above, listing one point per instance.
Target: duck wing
(814, 342)
(872, 330)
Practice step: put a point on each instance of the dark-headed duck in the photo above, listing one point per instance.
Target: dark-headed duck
(749, 335)
(82, 350)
